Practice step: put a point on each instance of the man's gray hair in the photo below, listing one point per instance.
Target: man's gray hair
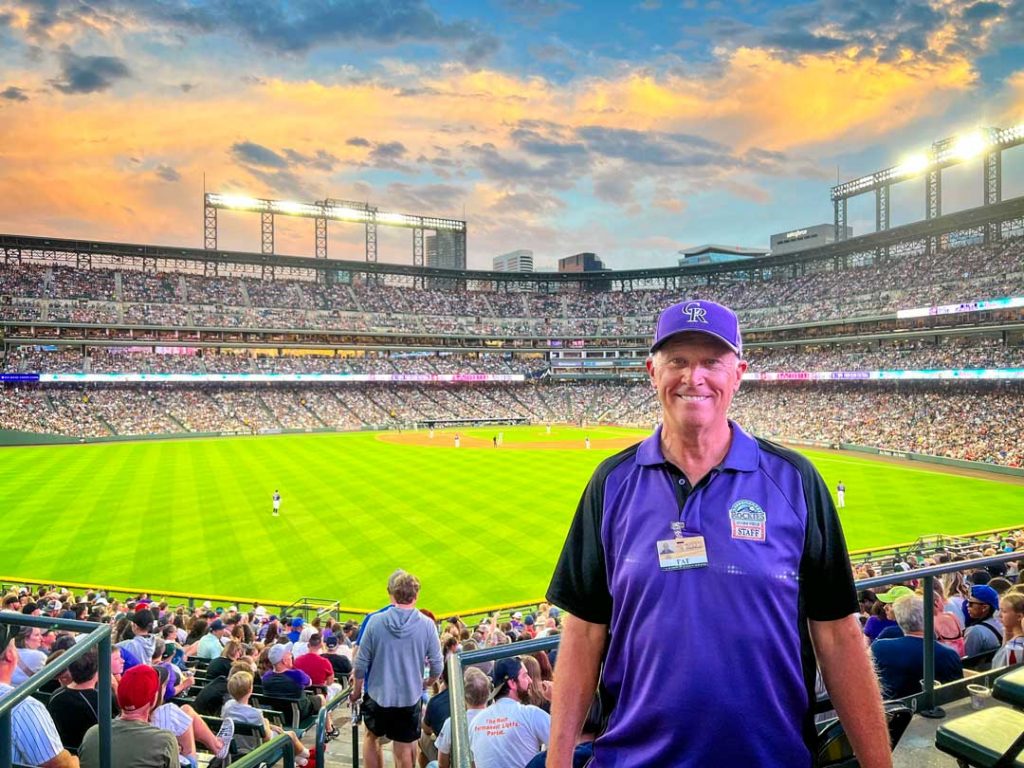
(477, 687)
(909, 613)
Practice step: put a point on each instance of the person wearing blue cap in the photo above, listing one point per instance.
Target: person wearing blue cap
(683, 533)
(984, 630)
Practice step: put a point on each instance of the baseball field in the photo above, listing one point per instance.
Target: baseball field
(480, 525)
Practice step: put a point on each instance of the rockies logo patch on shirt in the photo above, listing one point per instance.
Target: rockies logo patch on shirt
(749, 522)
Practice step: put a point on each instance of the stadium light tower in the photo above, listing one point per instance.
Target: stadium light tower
(326, 210)
(989, 142)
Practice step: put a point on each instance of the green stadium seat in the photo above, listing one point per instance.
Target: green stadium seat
(989, 738)
(1010, 688)
(835, 750)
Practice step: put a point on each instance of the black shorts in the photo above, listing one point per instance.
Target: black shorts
(401, 724)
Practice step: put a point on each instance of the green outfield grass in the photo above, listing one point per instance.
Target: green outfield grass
(480, 526)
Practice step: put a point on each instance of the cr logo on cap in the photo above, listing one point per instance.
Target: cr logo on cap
(696, 313)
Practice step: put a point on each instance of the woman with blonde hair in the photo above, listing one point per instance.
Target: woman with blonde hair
(1011, 613)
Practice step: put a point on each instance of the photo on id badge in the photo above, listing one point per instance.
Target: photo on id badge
(682, 552)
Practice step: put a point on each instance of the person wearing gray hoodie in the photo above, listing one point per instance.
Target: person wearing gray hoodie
(399, 657)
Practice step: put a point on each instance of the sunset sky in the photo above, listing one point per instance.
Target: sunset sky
(632, 129)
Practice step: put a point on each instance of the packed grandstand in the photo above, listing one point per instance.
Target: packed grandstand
(249, 353)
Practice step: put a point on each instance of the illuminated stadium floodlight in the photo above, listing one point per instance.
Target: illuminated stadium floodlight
(986, 142)
(323, 211)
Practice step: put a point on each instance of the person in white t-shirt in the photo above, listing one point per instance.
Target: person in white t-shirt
(477, 687)
(508, 733)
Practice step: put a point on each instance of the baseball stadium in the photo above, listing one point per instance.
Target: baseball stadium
(157, 400)
(349, 502)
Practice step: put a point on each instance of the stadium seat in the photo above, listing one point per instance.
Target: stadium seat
(1010, 688)
(290, 710)
(835, 750)
(990, 738)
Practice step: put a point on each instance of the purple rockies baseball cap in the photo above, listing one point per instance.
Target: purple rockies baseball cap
(699, 316)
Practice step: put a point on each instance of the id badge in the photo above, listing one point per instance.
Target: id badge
(681, 553)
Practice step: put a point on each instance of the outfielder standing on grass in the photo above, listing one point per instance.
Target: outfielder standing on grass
(277, 503)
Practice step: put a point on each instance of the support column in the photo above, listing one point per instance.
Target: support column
(267, 222)
(209, 228)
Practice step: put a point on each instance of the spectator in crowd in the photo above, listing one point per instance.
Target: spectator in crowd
(285, 682)
(295, 634)
(135, 743)
(35, 740)
(211, 645)
(141, 644)
(31, 656)
(237, 709)
(984, 630)
(187, 725)
(390, 664)
(75, 707)
(317, 666)
(339, 661)
(900, 660)
(508, 732)
(717, 482)
(221, 666)
(883, 618)
(948, 629)
(476, 689)
(211, 697)
(1011, 615)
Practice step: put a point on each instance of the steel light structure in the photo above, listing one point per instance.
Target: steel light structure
(321, 212)
(987, 142)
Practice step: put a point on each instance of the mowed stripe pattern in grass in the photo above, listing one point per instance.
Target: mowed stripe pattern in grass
(478, 526)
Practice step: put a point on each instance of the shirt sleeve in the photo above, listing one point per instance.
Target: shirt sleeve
(443, 741)
(35, 736)
(825, 571)
(540, 723)
(580, 582)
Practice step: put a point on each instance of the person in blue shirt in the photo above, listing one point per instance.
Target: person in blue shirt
(900, 660)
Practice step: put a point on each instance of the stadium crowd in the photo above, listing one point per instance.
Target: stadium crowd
(238, 664)
(825, 292)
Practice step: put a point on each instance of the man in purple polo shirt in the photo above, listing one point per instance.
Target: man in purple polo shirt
(705, 570)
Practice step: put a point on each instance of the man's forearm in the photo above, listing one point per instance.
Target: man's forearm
(852, 685)
(579, 659)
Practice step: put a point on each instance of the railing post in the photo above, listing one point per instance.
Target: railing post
(355, 735)
(6, 743)
(930, 709)
(103, 696)
(457, 703)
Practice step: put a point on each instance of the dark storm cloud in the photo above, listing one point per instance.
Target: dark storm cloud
(13, 93)
(537, 143)
(88, 74)
(558, 172)
(358, 141)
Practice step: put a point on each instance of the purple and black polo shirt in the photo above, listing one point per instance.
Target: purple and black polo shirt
(710, 665)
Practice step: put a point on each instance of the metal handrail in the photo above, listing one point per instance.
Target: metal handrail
(96, 635)
(278, 748)
(321, 728)
(460, 755)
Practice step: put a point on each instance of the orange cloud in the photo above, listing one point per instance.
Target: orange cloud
(86, 166)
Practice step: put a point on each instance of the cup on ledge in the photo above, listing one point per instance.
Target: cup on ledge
(979, 695)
